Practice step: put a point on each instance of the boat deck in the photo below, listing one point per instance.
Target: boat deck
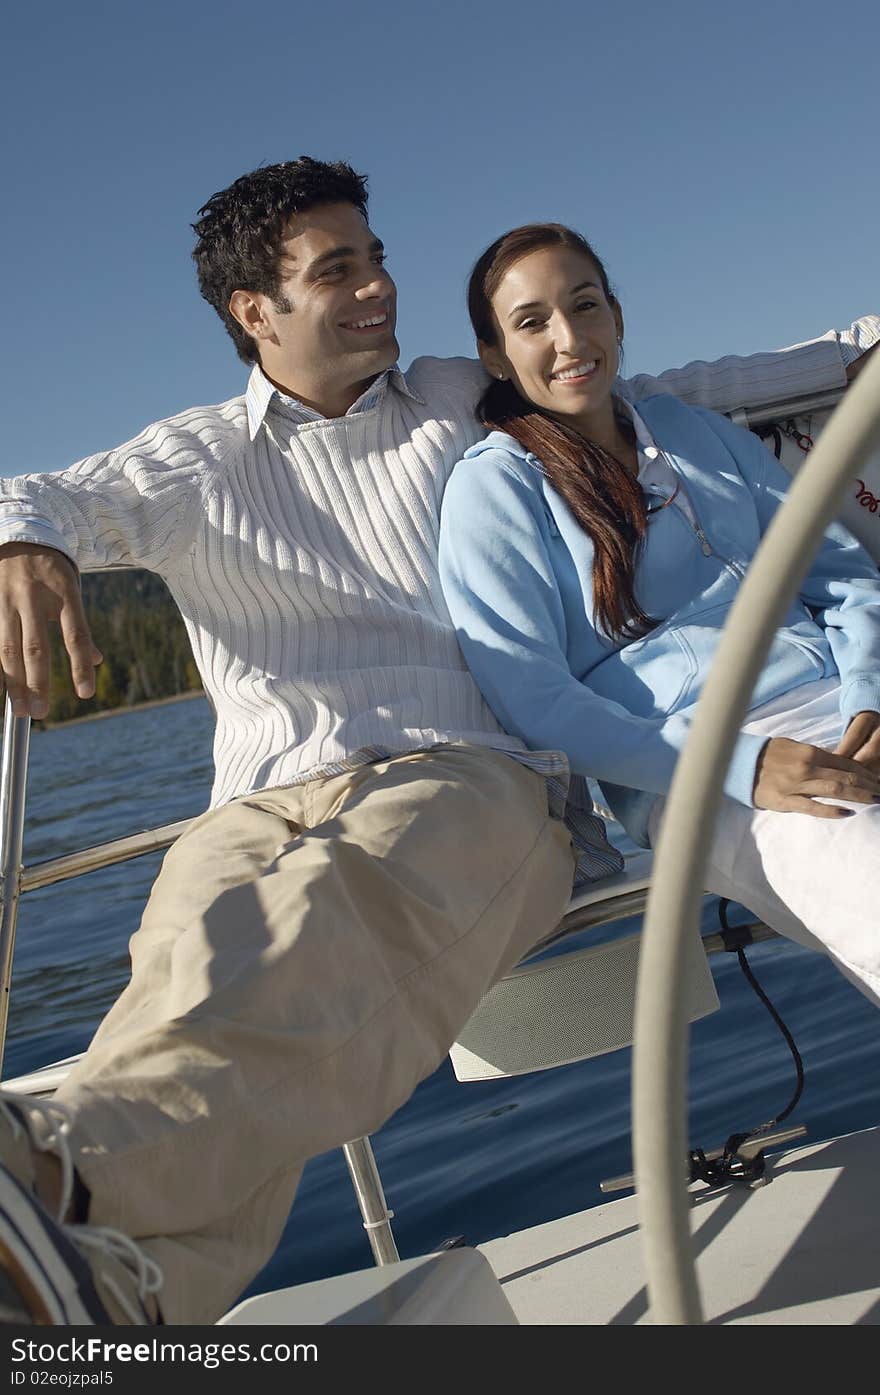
(802, 1249)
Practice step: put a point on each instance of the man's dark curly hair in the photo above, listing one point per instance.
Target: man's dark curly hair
(239, 230)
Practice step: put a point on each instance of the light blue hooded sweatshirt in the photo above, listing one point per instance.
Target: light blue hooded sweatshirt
(517, 570)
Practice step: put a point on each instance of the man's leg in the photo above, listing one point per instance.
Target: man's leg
(307, 957)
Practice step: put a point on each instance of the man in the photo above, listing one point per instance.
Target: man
(378, 851)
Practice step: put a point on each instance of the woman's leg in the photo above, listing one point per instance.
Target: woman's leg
(812, 880)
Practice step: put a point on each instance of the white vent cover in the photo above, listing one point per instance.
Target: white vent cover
(566, 1009)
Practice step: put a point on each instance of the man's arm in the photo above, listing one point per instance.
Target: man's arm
(727, 384)
(135, 506)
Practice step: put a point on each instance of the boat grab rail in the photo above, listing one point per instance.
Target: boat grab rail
(76, 864)
(16, 879)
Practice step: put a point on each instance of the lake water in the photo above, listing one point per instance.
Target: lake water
(475, 1160)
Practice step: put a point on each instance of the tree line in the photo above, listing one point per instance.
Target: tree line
(138, 629)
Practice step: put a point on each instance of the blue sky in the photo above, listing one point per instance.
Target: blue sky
(723, 159)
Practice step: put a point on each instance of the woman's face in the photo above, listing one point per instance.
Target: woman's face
(558, 336)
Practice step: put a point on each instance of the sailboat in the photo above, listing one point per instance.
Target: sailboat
(789, 1237)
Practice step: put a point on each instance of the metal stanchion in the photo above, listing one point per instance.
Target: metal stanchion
(371, 1199)
(13, 780)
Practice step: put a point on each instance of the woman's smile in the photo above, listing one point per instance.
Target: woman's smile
(578, 373)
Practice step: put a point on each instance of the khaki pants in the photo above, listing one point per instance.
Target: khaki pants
(306, 957)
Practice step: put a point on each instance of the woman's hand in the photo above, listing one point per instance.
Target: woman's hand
(861, 741)
(792, 775)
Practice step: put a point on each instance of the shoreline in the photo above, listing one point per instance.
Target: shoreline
(121, 711)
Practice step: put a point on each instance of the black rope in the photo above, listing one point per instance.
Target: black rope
(789, 1039)
(717, 1171)
(771, 430)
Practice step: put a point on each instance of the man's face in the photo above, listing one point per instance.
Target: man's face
(338, 332)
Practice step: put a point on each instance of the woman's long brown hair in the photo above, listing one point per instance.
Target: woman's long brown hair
(600, 491)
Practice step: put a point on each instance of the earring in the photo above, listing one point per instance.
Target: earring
(501, 377)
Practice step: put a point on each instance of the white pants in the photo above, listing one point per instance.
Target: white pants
(816, 881)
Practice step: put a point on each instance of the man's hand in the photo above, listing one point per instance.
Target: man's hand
(39, 585)
(861, 740)
(792, 775)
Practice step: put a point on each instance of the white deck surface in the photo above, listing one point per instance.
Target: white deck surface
(805, 1249)
(802, 1250)
(457, 1289)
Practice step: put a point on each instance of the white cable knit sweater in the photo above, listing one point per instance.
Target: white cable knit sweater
(304, 564)
(302, 553)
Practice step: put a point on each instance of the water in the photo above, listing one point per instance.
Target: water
(476, 1160)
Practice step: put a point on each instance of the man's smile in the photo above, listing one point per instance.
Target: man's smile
(369, 324)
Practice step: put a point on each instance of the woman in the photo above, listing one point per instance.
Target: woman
(590, 555)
